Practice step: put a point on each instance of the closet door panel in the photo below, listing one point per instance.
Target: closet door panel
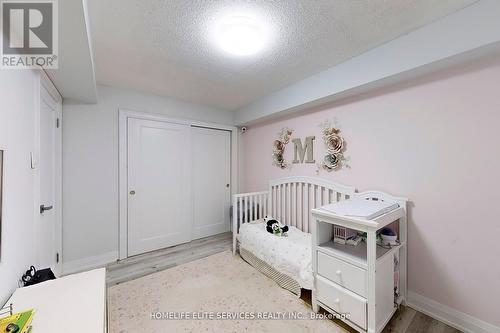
(211, 181)
(159, 185)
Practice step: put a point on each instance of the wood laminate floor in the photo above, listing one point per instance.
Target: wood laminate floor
(151, 262)
(405, 320)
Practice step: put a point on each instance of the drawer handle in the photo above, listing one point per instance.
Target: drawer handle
(338, 272)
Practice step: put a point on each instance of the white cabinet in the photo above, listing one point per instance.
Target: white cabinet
(74, 303)
(359, 282)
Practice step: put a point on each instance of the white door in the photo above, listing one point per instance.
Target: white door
(48, 233)
(159, 185)
(211, 181)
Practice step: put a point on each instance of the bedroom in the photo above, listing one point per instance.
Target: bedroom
(133, 161)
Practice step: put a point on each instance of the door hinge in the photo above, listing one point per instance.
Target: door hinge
(57, 257)
(57, 123)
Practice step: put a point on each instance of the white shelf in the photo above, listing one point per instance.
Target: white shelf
(355, 255)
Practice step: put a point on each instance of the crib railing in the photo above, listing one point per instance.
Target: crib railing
(291, 199)
(248, 207)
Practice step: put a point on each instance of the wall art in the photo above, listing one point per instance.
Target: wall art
(279, 146)
(335, 146)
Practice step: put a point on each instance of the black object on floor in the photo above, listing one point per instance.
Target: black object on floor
(33, 276)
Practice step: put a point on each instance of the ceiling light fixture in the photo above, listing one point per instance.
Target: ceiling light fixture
(240, 35)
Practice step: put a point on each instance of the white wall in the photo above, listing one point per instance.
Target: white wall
(90, 169)
(18, 98)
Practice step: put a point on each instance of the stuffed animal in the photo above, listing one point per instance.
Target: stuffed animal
(274, 227)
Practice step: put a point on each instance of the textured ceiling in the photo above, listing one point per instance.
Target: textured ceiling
(165, 47)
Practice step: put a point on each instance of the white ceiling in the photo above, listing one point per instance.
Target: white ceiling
(164, 46)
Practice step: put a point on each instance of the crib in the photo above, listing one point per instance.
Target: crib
(289, 200)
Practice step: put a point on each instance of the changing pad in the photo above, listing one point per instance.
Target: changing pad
(356, 207)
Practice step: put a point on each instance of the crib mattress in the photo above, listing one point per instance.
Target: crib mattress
(291, 255)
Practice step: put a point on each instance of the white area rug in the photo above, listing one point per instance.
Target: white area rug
(221, 284)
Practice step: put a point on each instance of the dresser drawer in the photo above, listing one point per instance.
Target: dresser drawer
(341, 301)
(342, 273)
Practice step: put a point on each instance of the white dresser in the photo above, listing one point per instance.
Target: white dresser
(359, 281)
(75, 303)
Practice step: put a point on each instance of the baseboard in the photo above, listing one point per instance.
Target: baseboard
(450, 316)
(85, 264)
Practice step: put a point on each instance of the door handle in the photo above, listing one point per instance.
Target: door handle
(43, 208)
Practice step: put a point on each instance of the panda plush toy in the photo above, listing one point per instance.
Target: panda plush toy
(274, 227)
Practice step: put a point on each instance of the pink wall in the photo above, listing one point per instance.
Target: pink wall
(435, 141)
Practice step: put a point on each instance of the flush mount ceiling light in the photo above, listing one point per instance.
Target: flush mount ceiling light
(240, 35)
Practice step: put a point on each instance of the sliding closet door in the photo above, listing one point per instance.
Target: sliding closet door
(211, 181)
(159, 185)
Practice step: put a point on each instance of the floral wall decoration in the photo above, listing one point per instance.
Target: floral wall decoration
(279, 148)
(335, 145)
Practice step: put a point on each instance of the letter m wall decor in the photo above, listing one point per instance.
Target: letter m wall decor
(301, 151)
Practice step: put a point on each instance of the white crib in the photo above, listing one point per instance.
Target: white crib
(288, 199)
(285, 260)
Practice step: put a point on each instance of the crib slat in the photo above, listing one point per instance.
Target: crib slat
(293, 207)
(266, 202)
(260, 206)
(240, 213)
(278, 202)
(317, 202)
(268, 198)
(300, 204)
(252, 204)
(273, 204)
(285, 206)
(264, 207)
(290, 201)
(308, 207)
(307, 195)
(296, 204)
(283, 202)
(245, 212)
(254, 208)
(275, 215)
(276, 207)
(312, 205)
(289, 204)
